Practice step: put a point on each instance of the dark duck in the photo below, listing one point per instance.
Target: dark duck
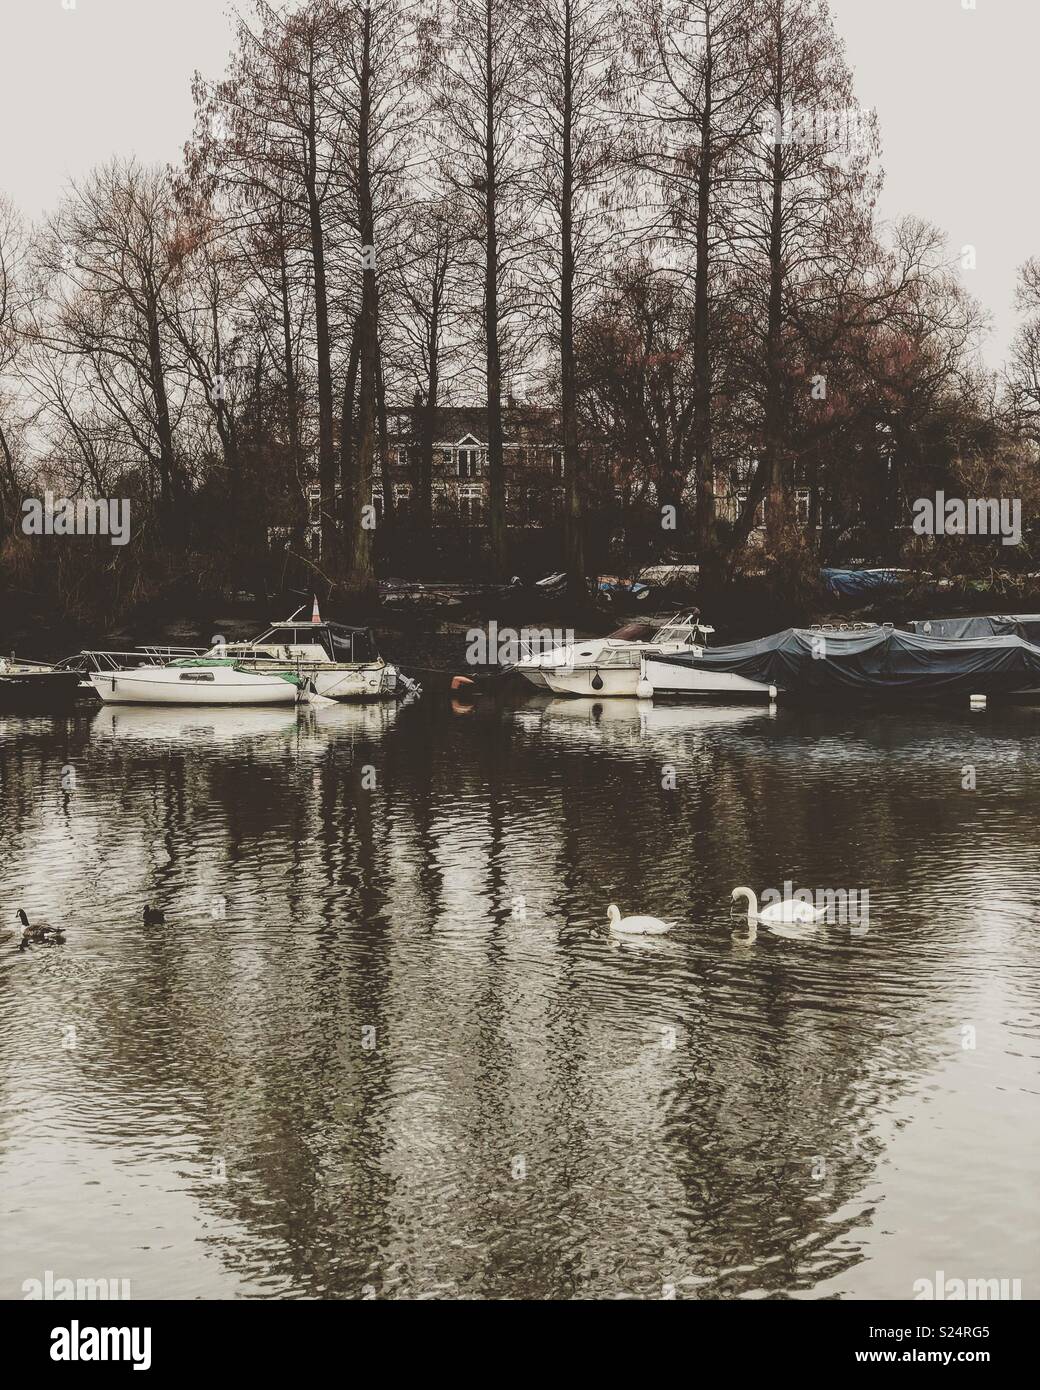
(38, 935)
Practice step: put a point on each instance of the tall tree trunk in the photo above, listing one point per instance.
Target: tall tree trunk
(292, 397)
(347, 519)
(575, 539)
(171, 500)
(362, 571)
(323, 346)
(385, 469)
(8, 488)
(427, 428)
(703, 451)
(496, 470)
(773, 453)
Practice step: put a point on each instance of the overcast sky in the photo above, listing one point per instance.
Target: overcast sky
(955, 90)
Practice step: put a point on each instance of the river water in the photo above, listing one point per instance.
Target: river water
(384, 1047)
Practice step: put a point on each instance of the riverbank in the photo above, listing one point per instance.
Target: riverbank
(432, 630)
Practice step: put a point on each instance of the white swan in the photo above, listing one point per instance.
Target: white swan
(636, 926)
(791, 912)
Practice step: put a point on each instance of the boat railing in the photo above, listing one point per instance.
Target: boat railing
(97, 660)
(22, 661)
(845, 627)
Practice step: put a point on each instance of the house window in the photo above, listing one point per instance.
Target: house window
(760, 515)
(469, 463)
(402, 496)
(443, 511)
(801, 498)
(377, 501)
(471, 504)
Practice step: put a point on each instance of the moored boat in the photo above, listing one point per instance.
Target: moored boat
(336, 661)
(195, 681)
(29, 686)
(873, 663)
(610, 666)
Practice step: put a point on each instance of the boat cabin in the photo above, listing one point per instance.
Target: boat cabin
(312, 642)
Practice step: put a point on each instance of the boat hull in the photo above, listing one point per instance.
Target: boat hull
(582, 682)
(170, 686)
(29, 691)
(534, 677)
(348, 684)
(691, 683)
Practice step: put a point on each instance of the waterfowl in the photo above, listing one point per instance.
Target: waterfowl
(636, 926)
(790, 912)
(38, 935)
(153, 916)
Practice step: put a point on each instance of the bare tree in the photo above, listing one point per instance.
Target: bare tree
(272, 132)
(812, 171)
(571, 51)
(1024, 378)
(480, 71)
(112, 253)
(699, 103)
(13, 271)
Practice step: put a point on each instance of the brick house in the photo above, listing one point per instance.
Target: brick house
(531, 455)
(532, 464)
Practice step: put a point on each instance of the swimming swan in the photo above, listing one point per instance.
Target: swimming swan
(636, 926)
(789, 912)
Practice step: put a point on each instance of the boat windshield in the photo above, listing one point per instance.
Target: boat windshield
(353, 644)
(634, 632)
(683, 628)
(339, 644)
(303, 636)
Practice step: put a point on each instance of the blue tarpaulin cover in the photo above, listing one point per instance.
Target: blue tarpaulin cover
(878, 661)
(861, 583)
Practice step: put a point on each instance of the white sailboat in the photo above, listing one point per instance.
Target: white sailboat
(194, 681)
(335, 661)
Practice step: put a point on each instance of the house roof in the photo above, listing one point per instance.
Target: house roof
(454, 424)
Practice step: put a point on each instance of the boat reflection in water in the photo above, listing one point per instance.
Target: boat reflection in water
(211, 725)
(193, 724)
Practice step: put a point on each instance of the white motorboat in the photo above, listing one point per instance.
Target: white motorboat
(337, 662)
(610, 666)
(195, 681)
